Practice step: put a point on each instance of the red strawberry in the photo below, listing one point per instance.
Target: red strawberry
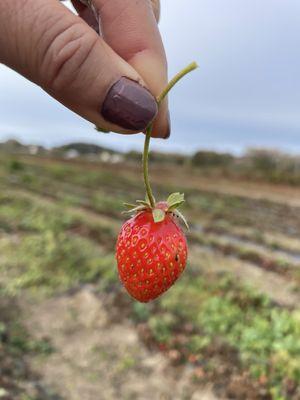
(151, 250)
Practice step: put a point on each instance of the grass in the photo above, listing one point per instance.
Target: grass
(19, 342)
(53, 261)
(265, 337)
(15, 345)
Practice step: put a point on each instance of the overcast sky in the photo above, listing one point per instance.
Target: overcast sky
(246, 92)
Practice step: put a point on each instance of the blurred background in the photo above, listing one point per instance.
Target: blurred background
(230, 328)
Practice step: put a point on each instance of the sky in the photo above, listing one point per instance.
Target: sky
(246, 92)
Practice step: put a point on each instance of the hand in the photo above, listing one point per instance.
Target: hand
(103, 77)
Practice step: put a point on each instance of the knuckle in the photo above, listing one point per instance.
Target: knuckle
(13, 44)
(66, 55)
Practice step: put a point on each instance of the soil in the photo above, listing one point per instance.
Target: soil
(98, 356)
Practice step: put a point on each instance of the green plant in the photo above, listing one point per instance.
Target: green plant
(56, 261)
(161, 327)
(15, 166)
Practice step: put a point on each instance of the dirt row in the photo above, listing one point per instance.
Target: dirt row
(280, 289)
(98, 355)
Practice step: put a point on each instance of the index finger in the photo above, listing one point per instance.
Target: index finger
(130, 29)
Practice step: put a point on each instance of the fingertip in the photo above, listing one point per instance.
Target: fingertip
(168, 128)
(162, 123)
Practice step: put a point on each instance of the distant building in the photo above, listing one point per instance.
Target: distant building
(111, 158)
(105, 156)
(116, 158)
(72, 153)
(33, 149)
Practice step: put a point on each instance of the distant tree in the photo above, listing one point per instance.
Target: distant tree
(212, 159)
(12, 146)
(263, 160)
(133, 156)
(83, 149)
(272, 165)
(158, 157)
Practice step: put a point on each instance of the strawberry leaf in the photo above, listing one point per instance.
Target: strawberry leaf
(129, 205)
(175, 200)
(144, 203)
(158, 215)
(134, 210)
(182, 218)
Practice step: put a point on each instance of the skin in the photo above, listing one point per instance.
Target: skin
(64, 54)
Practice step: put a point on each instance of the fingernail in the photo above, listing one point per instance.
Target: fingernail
(129, 105)
(168, 128)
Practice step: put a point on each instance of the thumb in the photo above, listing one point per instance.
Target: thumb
(51, 46)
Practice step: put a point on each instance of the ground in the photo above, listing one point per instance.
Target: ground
(229, 329)
(100, 356)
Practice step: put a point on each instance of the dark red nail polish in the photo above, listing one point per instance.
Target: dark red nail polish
(129, 105)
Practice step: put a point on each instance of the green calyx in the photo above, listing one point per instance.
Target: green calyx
(158, 215)
(175, 200)
(159, 212)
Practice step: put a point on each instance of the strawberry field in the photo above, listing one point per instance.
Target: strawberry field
(228, 329)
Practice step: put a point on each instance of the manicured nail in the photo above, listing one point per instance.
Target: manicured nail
(129, 105)
(168, 128)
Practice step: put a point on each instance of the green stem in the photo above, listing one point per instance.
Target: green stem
(160, 98)
(146, 166)
(191, 67)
